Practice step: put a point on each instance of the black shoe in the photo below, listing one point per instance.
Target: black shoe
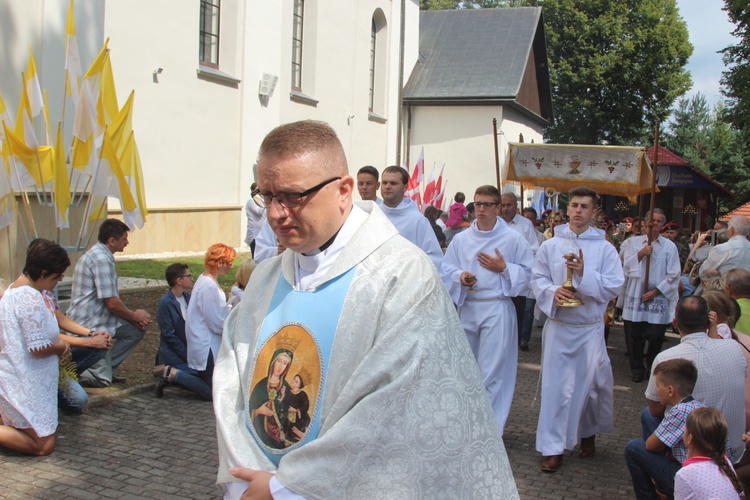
(524, 346)
(162, 383)
(637, 378)
(118, 380)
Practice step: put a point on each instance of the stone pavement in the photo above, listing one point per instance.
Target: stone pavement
(142, 447)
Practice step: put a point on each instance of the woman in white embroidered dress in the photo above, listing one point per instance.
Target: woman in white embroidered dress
(29, 348)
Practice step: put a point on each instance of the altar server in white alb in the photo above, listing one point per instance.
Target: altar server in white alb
(483, 268)
(348, 375)
(577, 381)
(404, 214)
(648, 312)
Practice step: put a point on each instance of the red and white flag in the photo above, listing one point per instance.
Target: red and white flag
(429, 190)
(415, 181)
(439, 190)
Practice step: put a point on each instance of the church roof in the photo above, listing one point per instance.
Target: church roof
(479, 55)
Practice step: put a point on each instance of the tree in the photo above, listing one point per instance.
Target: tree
(688, 133)
(616, 67)
(707, 141)
(736, 79)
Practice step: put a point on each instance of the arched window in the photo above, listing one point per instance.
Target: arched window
(378, 63)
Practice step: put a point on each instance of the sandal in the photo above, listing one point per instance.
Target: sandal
(162, 383)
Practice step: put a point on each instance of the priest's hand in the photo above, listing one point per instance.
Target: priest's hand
(649, 295)
(576, 264)
(562, 295)
(496, 264)
(259, 483)
(468, 279)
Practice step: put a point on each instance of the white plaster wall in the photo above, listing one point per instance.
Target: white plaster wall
(461, 137)
(187, 128)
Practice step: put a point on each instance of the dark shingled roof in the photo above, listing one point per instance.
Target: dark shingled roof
(473, 54)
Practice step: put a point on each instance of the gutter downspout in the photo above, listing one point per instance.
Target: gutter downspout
(399, 114)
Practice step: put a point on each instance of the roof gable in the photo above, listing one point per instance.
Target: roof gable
(480, 55)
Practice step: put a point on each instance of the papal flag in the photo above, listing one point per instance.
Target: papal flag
(61, 183)
(130, 162)
(29, 166)
(109, 181)
(72, 59)
(33, 87)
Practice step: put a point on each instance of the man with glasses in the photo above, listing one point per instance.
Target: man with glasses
(171, 360)
(647, 311)
(349, 358)
(404, 214)
(484, 267)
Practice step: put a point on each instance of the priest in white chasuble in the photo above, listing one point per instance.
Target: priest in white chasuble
(347, 375)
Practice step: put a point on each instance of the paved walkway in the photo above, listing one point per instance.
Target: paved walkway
(142, 447)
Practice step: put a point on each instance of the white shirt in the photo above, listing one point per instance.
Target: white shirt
(254, 215)
(734, 254)
(205, 321)
(526, 228)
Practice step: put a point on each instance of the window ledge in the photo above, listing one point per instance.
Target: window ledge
(297, 96)
(215, 74)
(374, 117)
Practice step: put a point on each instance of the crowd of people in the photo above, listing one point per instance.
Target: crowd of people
(362, 310)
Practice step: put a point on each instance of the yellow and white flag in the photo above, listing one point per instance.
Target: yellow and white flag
(72, 59)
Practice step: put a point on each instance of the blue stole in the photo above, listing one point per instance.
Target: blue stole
(296, 337)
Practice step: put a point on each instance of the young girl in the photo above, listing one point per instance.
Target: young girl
(706, 473)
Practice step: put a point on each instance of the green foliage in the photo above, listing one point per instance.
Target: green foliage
(707, 141)
(616, 66)
(736, 79)
(688, 136)
(154, 268)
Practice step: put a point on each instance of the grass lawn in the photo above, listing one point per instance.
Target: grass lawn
(154, 269)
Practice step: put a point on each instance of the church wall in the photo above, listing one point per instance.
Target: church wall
(461, 137)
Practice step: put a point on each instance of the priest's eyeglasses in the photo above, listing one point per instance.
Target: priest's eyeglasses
(484, 204)
(288, 200)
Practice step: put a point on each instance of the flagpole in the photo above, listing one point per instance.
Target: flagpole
(41, 175)
(91, 233)
(27, 205)
(88, 206)
(497, 154)
(652, 202)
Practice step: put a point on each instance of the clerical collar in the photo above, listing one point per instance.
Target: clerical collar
(325, 245)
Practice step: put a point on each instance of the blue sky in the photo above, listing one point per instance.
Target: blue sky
(710, 31)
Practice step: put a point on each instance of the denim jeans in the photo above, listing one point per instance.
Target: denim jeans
(71, 396)
(191, 380)
(125, 339)
(646, 465)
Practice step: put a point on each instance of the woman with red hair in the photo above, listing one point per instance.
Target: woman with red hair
(207, 311)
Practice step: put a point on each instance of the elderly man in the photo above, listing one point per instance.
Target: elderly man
(495, 262)
(95, 301)
(404, 214)
(368, 183)
(350, 358)
(577, 381)
(522, 225)
(735, 253)
(721, 372)
(647, 311)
